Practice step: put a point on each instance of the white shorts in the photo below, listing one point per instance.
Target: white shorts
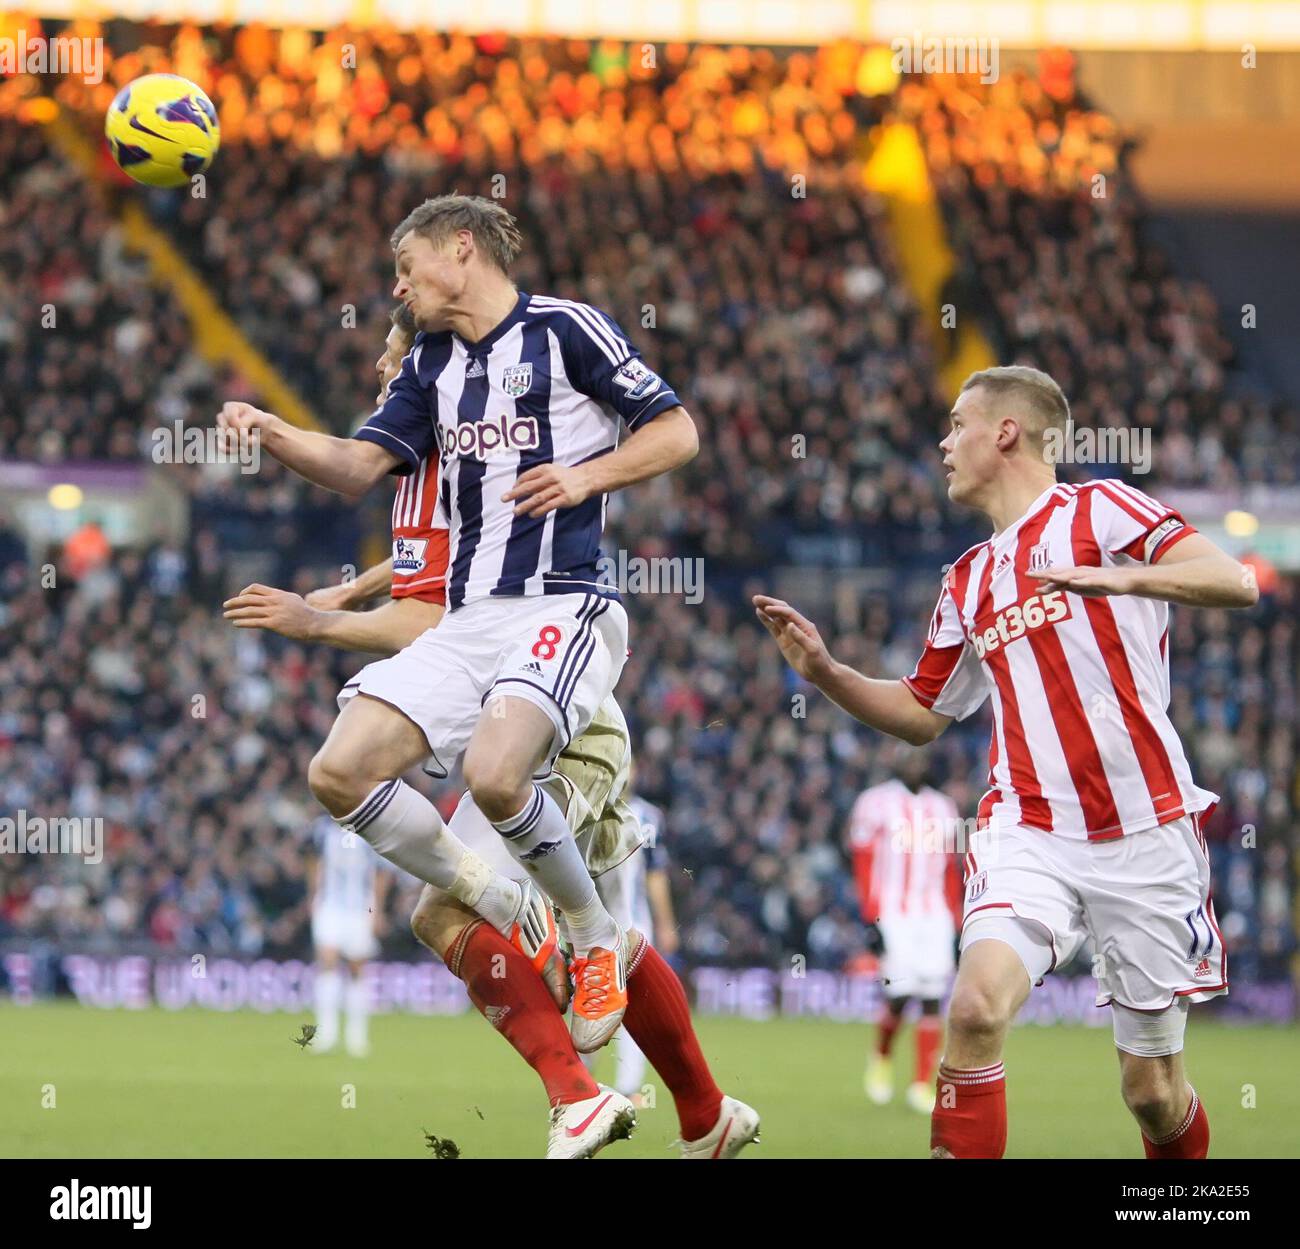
(563, 653)
(918, 959)
(351, 933)
(1144, 900)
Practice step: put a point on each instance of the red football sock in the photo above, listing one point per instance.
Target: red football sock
(1191, 1139)
(929, 1033)
(887, 1030)
(659, 1021)
(516, 1002)
(970, 1113)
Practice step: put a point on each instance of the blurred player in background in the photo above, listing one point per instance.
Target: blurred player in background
(647, 900)
(902, 836)
(347, 907)
(1091, 827)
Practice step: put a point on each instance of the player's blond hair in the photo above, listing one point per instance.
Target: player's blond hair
(495, 231)
(1041, 402)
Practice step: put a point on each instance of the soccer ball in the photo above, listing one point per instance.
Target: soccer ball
(162, 130)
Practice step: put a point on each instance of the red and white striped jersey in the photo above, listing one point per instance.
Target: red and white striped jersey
(902, 845)
(420, 540)
(1082, 745)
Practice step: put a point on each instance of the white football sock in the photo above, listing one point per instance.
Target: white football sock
(405, 827)
(356, 1006)
(539, 838)
(629, 1064)
(328, 990)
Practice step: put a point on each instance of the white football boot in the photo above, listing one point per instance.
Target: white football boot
(921, 1098)
(737, 1126)
(878, 1082)
(533, 933)
(582, 1129)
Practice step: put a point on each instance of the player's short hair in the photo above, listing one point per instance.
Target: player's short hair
(1040, 399)
(403, 318)
(494, 229)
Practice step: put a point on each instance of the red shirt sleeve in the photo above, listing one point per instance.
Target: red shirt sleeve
(431, 549)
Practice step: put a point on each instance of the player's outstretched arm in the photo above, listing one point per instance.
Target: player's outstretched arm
(384, 631)
(1195, 573)
(888, 706)
(346, 465)
(659, 446)
(375, 582)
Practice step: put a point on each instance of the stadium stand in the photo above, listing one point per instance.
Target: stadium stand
(775, 324)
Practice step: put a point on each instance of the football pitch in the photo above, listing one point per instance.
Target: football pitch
(200, 1084)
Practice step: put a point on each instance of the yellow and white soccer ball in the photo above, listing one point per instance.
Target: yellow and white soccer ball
(162, 130)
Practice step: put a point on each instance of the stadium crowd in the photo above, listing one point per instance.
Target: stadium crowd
(661, 191)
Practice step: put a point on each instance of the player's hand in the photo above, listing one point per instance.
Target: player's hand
(239, 421)
(1088, 581)
(797, 637)
(668, 942)
(340, 597)
(264, 607)
(547, 488)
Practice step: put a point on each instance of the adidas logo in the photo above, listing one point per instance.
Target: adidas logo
(1003, 560)
(534, 668)
(1202, 969)
(539, 851)
(496, 1015)
(476, 369)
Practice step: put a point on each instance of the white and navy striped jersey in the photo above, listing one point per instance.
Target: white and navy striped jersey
(528, 393)
(347, 869)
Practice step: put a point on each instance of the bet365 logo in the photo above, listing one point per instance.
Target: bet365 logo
(1017, 619)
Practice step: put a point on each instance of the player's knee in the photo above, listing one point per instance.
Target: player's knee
(975, 1011)
(334, 782)
(498, 789)
(425, 929)
(1152, 1091)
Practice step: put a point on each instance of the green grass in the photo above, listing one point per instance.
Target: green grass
(200, 1084)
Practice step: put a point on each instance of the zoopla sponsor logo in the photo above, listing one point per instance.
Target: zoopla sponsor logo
(491, 437)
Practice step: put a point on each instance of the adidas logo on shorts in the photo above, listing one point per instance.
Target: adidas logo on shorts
(534, 668)
(1202, 969)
